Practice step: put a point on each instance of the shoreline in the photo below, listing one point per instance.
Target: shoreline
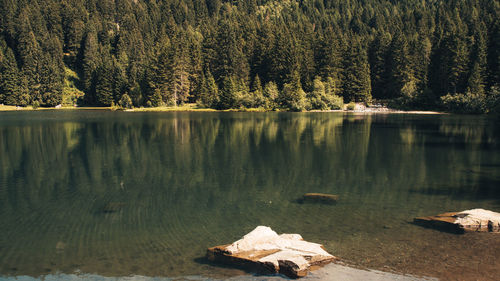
(195, 108)
(333, 271)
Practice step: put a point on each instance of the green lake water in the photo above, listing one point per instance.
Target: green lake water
(121, 194)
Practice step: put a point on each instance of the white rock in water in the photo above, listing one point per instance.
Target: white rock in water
(263, 238)
(478, 217)
(475, 220)
(287, 253)
(258, 239)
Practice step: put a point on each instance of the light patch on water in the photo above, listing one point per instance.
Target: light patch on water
(329, 272)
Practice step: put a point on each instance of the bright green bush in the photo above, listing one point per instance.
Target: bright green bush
(351, 106)
(35, 104)
(126, 102)
(465, 103)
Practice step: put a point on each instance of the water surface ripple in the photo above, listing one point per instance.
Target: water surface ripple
(144, 194)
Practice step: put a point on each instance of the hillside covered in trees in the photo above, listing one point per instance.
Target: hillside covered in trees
(291, 54)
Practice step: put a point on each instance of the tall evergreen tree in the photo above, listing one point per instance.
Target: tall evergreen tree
(228, 97)
(402, 81)
(90, 62)
(379, 64)
(180, 82)
(209, 93)
(357, 85)
(104, 84)
(9, 76)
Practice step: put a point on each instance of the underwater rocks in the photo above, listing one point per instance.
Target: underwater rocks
(319, 198)
(112, 207)
(475, 220)
(264, 251)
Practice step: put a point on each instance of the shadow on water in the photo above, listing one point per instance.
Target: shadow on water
(478, 186)
(441, 227)
(246, 268)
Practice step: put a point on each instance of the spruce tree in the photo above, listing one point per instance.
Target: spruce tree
(227, 97)
(180, 82)
(209, 93)
(378, 57)
(29, 53)
(90, 62)
(329, 57)
(477, 76)
(104, 84)
(9, 75)
(402, 81)
(357, 85)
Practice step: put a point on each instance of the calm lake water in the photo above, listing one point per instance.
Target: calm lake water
(120, 194)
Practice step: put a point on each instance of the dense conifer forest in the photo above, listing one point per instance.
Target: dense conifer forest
(289, 55)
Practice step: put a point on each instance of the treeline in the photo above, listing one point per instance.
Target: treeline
(294, 55)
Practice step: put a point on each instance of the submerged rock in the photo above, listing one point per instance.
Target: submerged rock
(475, 220)
(265, 251)
(319, 198)
(60, 246)
(112, 207)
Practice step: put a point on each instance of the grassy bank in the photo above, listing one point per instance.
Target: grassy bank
(189, 107)
(31, 108)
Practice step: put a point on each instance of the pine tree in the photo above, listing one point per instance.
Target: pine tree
(477, 77)
(120, 83)
(209, 93)
(257, 85)
(230, 58)
(73, 25)
(158, 76)
(451, 65)
(378, 57)
(90, 63)
(329, 58)
(255, 97)
(180, 78)
(402, 81)
(9, 76)
(104, 84)
(29, 54)
(228, 97)
(357, 85)
(421, 48)
(493, 57)
(284, 60)
(51, 84)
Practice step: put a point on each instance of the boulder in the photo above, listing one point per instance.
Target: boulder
(475, 220)
(264, 251)
(319, 198)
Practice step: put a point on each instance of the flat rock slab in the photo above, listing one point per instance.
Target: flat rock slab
(265, 251)
(319, 198)
(475, 220)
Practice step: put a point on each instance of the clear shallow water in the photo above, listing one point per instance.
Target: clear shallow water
(124, 194)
